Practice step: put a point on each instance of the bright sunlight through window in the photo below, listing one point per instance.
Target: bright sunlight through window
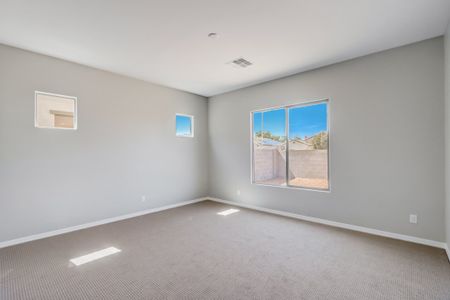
(184, 125)
(290, 146)
(228, 212)
(94, 256)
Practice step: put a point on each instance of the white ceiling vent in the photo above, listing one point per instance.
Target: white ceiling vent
(240, 62)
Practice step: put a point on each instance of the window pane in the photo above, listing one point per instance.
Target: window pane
(184, 126)
(269, 147)
(308, 146)
(54, 111)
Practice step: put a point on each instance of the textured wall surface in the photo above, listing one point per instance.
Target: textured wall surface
(386, 144)
(125, 146)
(308, 163)
(386, 141)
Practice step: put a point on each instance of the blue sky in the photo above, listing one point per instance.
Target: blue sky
(183, 125)
(303, 121)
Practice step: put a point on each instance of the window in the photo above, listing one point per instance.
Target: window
(290, 146)
(55, 111)
(269, 147)
(184, 125)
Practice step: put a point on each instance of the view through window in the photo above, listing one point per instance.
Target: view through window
(55, 111)
(290, 146)
(184, 125)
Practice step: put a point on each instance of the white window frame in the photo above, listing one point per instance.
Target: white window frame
(286, 108)
(191, 117)
(75, 111)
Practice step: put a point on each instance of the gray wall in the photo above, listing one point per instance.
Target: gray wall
(269, 164)
(386, 143)
(447, 133)
(308, 163)
(125, 146)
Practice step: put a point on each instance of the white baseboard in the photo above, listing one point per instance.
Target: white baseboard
(267, 210)
(340, 225)
(95, 223)
(448, 251)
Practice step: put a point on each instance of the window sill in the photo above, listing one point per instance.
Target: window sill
(293, 187)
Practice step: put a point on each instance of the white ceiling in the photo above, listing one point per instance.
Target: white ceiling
(165, 41)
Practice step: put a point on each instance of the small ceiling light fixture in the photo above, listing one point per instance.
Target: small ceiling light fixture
(212, 35)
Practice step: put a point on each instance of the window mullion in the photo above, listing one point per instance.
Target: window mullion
(286, 133)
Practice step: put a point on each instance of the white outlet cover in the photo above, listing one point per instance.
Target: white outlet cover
(413, 219)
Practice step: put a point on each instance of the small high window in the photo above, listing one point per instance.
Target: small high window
(55, 111)
(184, 125)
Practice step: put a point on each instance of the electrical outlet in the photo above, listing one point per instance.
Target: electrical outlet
(238, 192)
(413, 219)
(143, 198)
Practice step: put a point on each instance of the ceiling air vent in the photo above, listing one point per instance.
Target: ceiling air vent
(241, 62)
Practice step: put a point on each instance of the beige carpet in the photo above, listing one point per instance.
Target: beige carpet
(192, 253)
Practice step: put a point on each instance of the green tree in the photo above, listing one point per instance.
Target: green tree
(320, 141)
(268, 135)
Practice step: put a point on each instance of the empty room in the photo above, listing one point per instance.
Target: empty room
(212, 149)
